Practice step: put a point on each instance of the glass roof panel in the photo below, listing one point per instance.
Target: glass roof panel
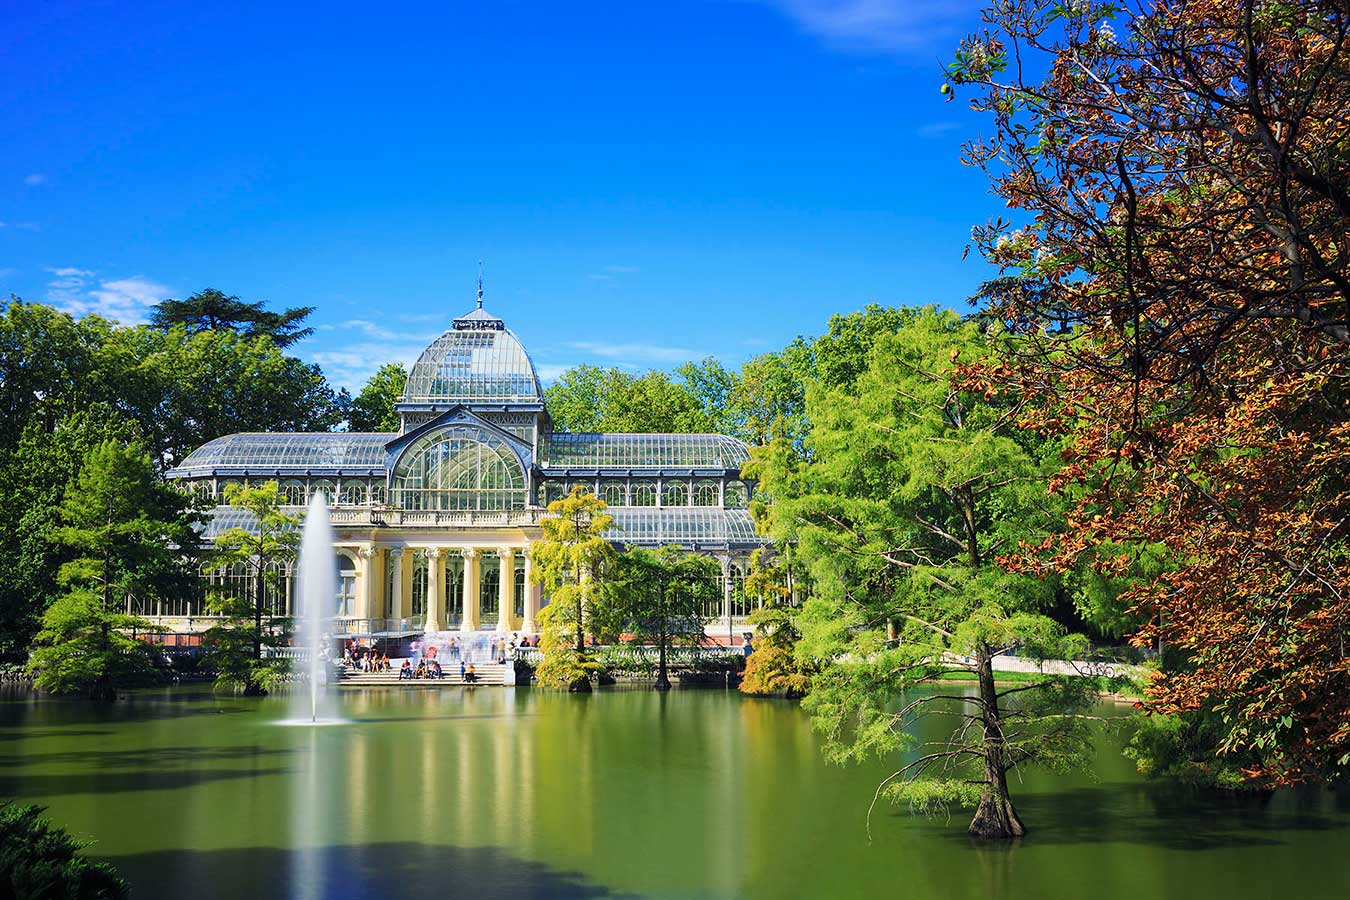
(474, 365)
(642, 451)
(688, 526)
(288, 450)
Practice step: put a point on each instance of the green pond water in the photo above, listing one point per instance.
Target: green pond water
(524, 793)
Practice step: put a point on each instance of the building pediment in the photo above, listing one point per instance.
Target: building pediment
(458, 415)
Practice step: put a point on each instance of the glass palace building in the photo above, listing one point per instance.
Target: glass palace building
(434, 523)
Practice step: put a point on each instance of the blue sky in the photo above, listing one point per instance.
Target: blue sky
(646, 182)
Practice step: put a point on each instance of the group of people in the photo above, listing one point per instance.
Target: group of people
(366, 661)
(431, 668)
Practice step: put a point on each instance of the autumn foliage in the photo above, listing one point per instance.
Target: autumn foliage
(1182, 174)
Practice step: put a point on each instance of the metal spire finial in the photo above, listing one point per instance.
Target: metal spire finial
(480, 284)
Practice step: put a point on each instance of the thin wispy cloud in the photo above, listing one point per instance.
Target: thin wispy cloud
(375, 330)
(608, 273)
(351, 365)
(35, 179)
(935, 129)
(126, 300)
(634, 353)
(879, 26)
(20, 226)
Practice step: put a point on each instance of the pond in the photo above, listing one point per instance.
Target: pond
(519, 793)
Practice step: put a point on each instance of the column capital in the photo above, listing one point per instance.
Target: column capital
(396, 552)
(435, 553)
(506, 552)
(470, 552)
(365, 552)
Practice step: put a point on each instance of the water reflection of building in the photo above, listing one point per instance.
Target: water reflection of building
(434, 522)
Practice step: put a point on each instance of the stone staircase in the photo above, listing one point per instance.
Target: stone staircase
(488, 674)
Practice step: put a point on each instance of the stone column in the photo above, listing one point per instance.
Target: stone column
(506, 589)
(528, 625)
(435, 588)
(364, 589)
(398, 608)
(471, 589)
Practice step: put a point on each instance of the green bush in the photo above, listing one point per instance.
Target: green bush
(40, 861)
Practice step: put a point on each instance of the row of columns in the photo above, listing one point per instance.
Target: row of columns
(371, 575)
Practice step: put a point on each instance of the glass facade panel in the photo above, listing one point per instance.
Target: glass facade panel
(684, 526)
(420, 571)
(614, 493)
(636, 451)
(738, 495)
(473, 365)
(643, 493)
(460, 467)
(283, 450)
(454, 589)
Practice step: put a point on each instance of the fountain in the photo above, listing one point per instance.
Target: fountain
(317, 597)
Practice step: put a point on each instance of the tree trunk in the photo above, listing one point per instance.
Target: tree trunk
(995, 817)
(251, 687)
(662, 677)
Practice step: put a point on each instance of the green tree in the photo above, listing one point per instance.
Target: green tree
(572, 561)
(910, 486)
(129, 531)
(590, 399)
(40, 860)
(660, 596)
(772, 667)
(212, 310)
(373, 408)
(234, 647)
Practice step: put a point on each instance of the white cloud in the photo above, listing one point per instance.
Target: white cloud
(21, 226)
(127, 300)
(34, 180)
(879, 26)
(550, 372)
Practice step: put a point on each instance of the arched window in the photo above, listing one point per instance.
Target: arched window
(550, 491)
(738, 495)
(353, 493)
(675, 494)
(489, 589)
(459, 467)
(740, 604)
(419, 584)
(706, 493)
(227, 485)
(326, 488)
(346, 598)
(643, 493)
(377, 493)
(454, 589)
(614, 493)
(293, 493)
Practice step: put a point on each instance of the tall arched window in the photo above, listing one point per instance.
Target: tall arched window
(326, 488)
(377, 493)
(738, 495)
(706, 493)
(419, 584)
(459, 467)
(293, 493)
(550, 491)
(614, 493)
(346, 598)
(353, 493)
(676, 493)
(489, 589)
(643, 493)
(454, 589)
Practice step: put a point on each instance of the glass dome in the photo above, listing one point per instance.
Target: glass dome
(478, 361)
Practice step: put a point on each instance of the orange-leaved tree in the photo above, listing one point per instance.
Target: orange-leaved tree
(1180, 173)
